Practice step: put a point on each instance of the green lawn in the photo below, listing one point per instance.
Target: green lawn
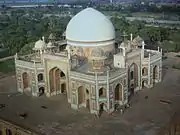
(7, 66)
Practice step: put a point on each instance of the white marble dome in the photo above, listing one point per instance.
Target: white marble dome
(39, 45)
(90, 26)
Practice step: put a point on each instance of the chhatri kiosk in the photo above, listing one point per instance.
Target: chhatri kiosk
(87, 66)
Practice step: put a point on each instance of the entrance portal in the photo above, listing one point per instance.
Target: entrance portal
(131, 91)
(118, 92)
(8, 132)
(101, 109)
(87, 104)
(55, 78)
(133, 75)
(25, 78)
(143, 84)
(41, 91)
(81, 95)
(155, 74)
(63, 88)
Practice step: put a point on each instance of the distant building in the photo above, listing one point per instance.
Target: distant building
(88, 66)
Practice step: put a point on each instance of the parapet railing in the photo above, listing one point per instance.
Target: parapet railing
(101, 76)
(29, 64)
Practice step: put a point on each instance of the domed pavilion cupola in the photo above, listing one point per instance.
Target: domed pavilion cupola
(97, 60)
(50, 47)
(40, 46)
(52, 38)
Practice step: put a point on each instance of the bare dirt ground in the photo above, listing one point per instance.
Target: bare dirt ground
(7, 84)
(144, 117)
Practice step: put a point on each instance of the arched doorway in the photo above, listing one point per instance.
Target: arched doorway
(62, 75)
(101, 108)
(88, 104)
(131, 91)
(132, 77)
(144, 71)
(118, 92)
(51, 79)
(102, 92)
(40, 77)
(87, 92)
(8, 132)
(25, 78)
(81, 95)
(143, 84)
(63, 88)
(41, 91)
(57, 80)
(155, 73)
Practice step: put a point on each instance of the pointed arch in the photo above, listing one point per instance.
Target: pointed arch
(25, 78)
(9, 132)
(155, 73)
(63, 88)
(57, 79)
(133, 74)
(118, 92)
(40, 77)
(81, 95)
(51, 79)
(144, 71)
(102, 92)
(144, 83)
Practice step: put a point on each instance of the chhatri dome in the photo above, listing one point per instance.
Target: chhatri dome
(90, 28)
(39, 45)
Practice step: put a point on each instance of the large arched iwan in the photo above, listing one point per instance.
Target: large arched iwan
(133, 74)
(55, 77)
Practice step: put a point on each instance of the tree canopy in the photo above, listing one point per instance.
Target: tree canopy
(23, 27)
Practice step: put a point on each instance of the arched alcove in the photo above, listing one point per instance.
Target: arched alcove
(102, 92)
(40, 77)
(155, 73)
(144, 71)
(81, 95)
(133, 74)
(25, 78)
(118, 92)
